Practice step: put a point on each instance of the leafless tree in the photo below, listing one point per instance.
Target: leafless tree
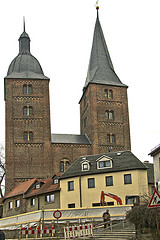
(2, 170)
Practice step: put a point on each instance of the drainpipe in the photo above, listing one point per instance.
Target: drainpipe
(80, 191)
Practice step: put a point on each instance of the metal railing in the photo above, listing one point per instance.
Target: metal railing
(100, 227)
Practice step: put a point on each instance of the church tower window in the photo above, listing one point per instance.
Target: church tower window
(27, 89)
(28, 136)
(109, 115)
(30, 111)
(110, 138)
(27, 111)
(30, 89)
(64, 165)
(108, 93)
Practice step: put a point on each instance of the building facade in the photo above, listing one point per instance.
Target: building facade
(120, 175)
(32, 195)
(155, 153)
(31, 150)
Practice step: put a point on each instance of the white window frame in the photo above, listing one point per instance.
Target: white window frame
(83, 163)
(50, 198)
(55, 181)
(10, 205)
(33, 202)
(17, 203)
(104, 159)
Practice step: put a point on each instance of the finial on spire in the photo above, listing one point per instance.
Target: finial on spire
(97, 5)
(24, 30)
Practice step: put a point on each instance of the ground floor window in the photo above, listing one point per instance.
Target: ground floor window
(71, 205)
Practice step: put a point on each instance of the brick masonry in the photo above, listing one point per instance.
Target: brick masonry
(41, 158)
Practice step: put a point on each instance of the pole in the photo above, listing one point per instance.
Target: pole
(157, 223)
(57, 228)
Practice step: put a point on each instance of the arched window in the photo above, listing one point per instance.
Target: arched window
(28, 136)
(113, 138)
(110, 138)
(61, 166)
(108, 93)
(30, 89)
(30, 111)
(27, 111)
(109, 115)
(25, 89)
(64, 165)
(25, 136)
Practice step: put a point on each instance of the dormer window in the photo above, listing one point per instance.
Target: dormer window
(37, 186)
(55, 181)
(104, 162)
(85, 165)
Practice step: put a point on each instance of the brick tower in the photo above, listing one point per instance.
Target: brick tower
(31, 150)
(104, 113)
(28, 133)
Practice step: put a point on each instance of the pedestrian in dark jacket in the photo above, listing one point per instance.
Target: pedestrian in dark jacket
(2, 236)
(106, 218)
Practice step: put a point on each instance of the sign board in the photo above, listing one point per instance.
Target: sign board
(155, 200)
(57, 214)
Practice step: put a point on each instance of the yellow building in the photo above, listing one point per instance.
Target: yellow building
(120, 173)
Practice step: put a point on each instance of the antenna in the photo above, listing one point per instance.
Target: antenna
(24, 24)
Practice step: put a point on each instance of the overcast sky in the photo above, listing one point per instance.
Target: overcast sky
(61, 34)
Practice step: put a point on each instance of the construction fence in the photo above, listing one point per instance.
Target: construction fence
(80, 215)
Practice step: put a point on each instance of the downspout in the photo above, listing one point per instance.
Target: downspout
(80, 191)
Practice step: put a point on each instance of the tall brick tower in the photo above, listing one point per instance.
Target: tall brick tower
(104, 105)
(28, 133)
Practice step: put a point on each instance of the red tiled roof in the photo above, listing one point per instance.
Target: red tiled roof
(47, 187)
(21, 188)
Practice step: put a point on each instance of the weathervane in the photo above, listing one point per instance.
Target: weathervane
(97, 5)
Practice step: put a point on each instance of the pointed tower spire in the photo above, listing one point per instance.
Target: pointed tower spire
(100, 69)
(24, 41)
(24, 24)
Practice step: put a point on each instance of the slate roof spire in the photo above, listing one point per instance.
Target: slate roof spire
(25, 65)
(24, 41)
(100, 69)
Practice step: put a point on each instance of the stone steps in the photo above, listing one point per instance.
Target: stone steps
(114, 235)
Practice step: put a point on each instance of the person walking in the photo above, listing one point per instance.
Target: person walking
(106, 218)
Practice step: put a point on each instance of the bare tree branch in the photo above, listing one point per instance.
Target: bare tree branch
(2, 170)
